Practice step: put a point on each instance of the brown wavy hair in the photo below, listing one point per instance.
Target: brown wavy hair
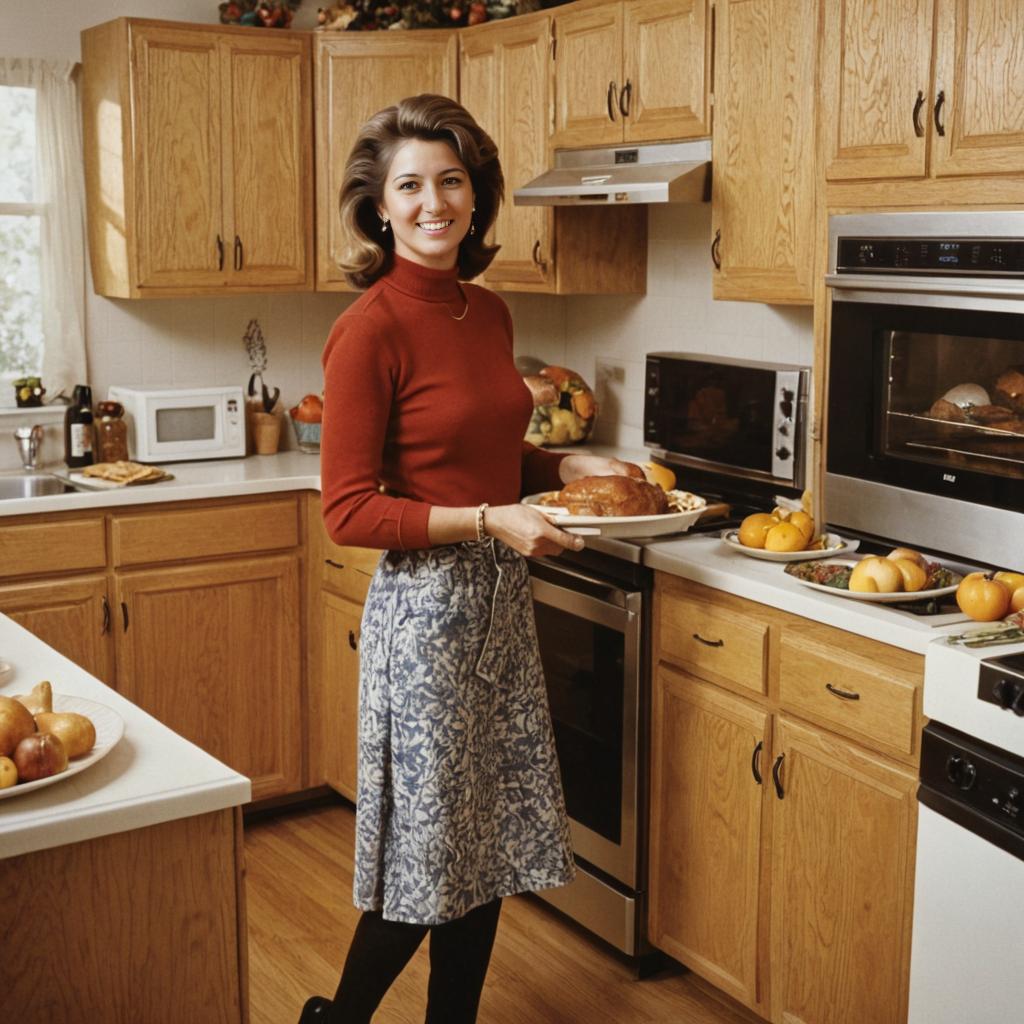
(431, 118)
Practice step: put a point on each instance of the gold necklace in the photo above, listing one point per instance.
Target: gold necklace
(462, 315)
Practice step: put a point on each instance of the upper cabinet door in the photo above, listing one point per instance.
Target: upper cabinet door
(979, 76)
(763, 166)
(177, 132)
(876, 102)
(358, 74)
(665, 46)
(268, 215)
(588, 77)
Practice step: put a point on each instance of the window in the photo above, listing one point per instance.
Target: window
(21, 328)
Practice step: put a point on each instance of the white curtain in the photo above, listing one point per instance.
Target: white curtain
(61, 185)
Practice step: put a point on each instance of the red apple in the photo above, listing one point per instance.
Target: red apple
(39, 756)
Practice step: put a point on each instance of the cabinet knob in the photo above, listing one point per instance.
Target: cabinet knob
(537, 261)
(352, 641)
(611, 101)
(937, 113)
(716, 247)
(239, 255)
(220, 253)
(843, 694)
(333, 564)
(708, 643)
(918, 104)
(105, 628)
(124, 617)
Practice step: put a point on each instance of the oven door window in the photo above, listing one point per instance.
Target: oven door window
(928, 398)
(584, 664)
(954, 400)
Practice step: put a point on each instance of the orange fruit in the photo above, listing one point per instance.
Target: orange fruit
(785, 537)
(914, 576)
(982, 597)
(754, 528)
(803, 522)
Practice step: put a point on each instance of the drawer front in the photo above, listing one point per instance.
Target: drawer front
(714, 643)
(36, 549)
(174, 535)
(348, 571)
(844, 691)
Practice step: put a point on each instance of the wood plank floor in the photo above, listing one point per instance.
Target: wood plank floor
(545, 969)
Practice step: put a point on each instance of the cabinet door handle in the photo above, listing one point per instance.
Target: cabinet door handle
(352, 642)
(611, 101)
(716, 250)
(708, 643)
(124, 617)
(939, 101)
(333, 564)
(918, 104)
(220, 253)
(625, 98)
(537, 261)
(755, 762)
(776, 776)
(106, 617)
(238, 253)
(843, 694)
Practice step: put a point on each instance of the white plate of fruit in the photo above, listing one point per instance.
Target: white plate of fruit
(784, 535)
(902, 575)
(46, 738)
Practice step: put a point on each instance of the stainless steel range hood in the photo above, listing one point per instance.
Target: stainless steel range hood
(673, 172)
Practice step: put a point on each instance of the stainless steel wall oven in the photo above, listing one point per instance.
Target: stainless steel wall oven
(926, 380)
(592, 613)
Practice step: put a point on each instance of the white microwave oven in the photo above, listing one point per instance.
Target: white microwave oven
(178, 424)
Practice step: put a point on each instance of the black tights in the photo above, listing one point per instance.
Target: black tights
(460, 951)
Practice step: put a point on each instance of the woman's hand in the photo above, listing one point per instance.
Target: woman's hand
(573, 467)
(528, 531)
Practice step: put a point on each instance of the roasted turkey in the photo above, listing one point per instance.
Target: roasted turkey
(613, 496)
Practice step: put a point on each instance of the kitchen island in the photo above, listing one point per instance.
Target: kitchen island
(121, 886)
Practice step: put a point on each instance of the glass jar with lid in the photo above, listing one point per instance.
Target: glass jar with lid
(111, 433)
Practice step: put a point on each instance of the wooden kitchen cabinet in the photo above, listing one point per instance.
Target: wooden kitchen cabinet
(764, 180)
(506, 83)
(342, 620)
(890, 111)
(357, 74)
(781, 863)
(633, 71)
(842, 881)
(72, 615)
(212, 650)
(198, 159)
(706, 831)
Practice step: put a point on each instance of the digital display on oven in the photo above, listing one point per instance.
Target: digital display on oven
(1002, 257)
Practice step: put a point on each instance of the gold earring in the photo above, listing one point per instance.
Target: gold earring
(472, 224)
(384, 224)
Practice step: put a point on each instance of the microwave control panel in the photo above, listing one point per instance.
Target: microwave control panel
(924, 256)
(234, 429)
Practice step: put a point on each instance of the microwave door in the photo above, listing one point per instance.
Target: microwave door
(186, 426)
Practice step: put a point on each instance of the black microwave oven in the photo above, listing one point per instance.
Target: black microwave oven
(728, 416)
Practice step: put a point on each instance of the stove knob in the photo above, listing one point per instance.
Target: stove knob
(1005, 692)
(783, 453)
(960, 771)
(1017, 707)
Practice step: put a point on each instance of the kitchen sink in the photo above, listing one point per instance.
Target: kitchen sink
(31, 485)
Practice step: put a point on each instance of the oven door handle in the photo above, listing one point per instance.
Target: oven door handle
(590, 608)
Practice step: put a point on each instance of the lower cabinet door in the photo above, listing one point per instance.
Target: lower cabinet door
(706, 810)
(339, 738)
(842, 881)
(71, 615)
(213, 652)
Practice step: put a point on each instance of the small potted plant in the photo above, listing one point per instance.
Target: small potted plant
(265, 424)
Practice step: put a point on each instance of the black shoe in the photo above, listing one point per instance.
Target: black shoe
(315, 1010)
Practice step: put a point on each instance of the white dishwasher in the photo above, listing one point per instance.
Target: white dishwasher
(969, 884)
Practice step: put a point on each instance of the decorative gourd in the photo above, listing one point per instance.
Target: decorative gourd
(564, 407)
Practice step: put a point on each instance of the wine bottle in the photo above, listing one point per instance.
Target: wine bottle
(78, 438)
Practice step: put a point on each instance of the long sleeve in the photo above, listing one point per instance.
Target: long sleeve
(360, 376)
(540, 469)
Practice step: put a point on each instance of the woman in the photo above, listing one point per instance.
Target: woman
(459, 797)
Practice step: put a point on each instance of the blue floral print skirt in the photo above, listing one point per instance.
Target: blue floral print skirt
(459, 799)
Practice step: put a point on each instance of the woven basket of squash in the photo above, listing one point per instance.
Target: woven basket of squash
(564, 409)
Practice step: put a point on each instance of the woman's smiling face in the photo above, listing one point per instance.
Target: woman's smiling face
(428, 199)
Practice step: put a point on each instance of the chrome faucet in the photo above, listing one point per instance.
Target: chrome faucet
(29, 440)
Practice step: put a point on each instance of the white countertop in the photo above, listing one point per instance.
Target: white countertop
(223, 478)
(151, 776)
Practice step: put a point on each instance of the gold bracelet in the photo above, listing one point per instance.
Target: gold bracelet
(480, 532)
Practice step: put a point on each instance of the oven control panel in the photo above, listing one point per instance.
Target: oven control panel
(923, 256)
(1001, 682)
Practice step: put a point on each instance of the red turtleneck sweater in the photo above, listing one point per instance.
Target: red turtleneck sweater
(429, 406)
